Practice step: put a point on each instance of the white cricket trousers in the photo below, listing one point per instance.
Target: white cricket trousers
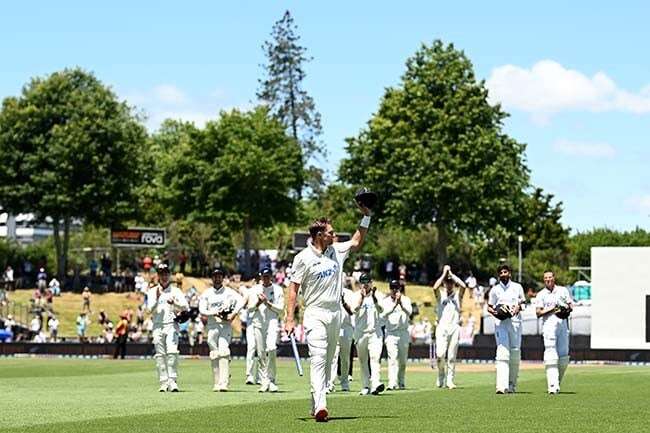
(556, 352)
(219, 336)
(508, 356)
(165, 341)
(446, 350)
(251, 360)
(369, 348)
(266, 343)
(397, 349)
(322, 329)
(343, 352)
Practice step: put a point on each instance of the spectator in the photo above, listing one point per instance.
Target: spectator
(140, 284)
(146, 263)
(82, 326)
(86, 296)
(53, 326)
(55, 287)
(3, 295)
(182, 261)
(121, 334)
(34, 327)
(41, 280)
(103, 318)
(49, 299)
(108, 333)
(8, 278)
(93, 268)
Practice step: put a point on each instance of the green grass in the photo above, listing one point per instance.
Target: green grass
(70, 395)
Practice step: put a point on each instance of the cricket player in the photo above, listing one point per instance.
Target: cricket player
(252, 363)
(316, 272)
(265, 304)
(164, 300)
(368, 335)
(508, 330)
(549, 301)
(396, 312)
(449, 291)
(344, 345)
(219, 305)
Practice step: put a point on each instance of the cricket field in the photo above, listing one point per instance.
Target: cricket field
(101, 395)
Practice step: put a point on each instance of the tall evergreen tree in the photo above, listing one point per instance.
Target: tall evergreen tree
(282, 90)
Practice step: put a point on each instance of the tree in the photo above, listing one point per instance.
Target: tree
(282, 90)
(70, 151)
(435, 151)
(242, 172)
(541, 227)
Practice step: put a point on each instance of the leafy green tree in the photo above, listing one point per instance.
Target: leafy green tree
(580, 244)
(283, 91)
(70, 152)
(541, 227)
(242, 172)
(435, 151)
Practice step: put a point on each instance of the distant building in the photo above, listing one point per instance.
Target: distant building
(23, 228)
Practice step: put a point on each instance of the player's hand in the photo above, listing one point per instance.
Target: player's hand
(363, 209)
(170, 301)
(446, 269)
(398, 297)
(289, 326)
(515, 309)
(262, 298)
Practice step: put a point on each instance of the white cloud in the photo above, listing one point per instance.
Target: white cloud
(581, 148)
(167, 101)
(170, 94)
(548, 88)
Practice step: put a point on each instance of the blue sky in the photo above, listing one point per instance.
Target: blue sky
(575, 78)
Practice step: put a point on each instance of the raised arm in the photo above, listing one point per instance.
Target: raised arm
(360, 235)
(278, 305)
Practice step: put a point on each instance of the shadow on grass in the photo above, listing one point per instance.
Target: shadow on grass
(347, 418)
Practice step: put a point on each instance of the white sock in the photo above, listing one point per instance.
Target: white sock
(502, 375)
(552, 377)
(224, 372)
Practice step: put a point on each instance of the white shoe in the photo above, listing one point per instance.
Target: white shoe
(173, 386)
(163, 387)
(250, 380)
(364, 391)
(330, 389)
(216, 388)
(451, 385)
(273, 387)
(391, 387)
(380, 388)
(264, 388)
(501, 391)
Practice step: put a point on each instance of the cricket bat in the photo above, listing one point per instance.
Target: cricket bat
(296, 355)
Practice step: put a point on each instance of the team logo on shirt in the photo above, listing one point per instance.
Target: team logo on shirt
(325, 273)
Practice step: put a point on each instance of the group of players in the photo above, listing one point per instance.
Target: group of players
(334, 316)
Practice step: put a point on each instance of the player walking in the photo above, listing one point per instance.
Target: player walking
(504, 304)
(219, 305)
(164, 300)
(554, 304)
(449, 291)
(316, 272)
(265, 304)
(397, 311)
(368, 335)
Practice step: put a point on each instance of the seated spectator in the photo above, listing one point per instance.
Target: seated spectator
(8, 278)
(55, 287)
(102, 318)
(34, 327)
(53, 326)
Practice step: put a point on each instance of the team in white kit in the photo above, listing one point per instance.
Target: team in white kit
(334, 316)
